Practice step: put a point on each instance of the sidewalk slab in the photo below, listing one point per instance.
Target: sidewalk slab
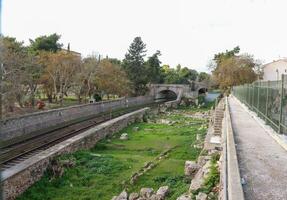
(262, 161)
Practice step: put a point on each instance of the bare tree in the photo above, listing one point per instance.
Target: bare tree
(61, 68)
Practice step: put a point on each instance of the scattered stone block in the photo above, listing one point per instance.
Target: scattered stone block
(134, 178)
(202, 160)
(198, 146)
(134, 196)
(147, 164)
(163, 191)
(201, 196)
(122, 196)
(164, 121)
(135, 129)
(198, 180)
(156, 197)
(206, 168)
(215, 140)
(146, 192)
(184, 197)
(124, 136)
(190, 167)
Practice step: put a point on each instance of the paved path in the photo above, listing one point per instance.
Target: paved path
(262, 161)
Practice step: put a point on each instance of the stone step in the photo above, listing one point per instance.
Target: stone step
(222, 111)
(218, 118)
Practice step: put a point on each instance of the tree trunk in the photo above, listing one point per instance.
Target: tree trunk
(50, 98)
(18, 97)
(33, 90)
(79, 99)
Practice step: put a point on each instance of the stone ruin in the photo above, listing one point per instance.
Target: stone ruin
(144, 194)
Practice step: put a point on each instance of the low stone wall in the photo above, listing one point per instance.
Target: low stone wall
(172, 104)
(32, 124)
(21, 176)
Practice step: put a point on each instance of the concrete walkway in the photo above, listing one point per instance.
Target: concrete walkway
(262, 161)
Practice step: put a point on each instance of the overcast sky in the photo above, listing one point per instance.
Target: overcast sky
(188, 32)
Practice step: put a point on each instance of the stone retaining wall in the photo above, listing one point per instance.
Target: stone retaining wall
(21, 176)
(29, 124)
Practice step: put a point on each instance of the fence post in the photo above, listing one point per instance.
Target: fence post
(246, 94)
(281, 102)
(258, 90)
(267, 98)
(252, 100)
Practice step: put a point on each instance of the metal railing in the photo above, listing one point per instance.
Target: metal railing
(268, 99)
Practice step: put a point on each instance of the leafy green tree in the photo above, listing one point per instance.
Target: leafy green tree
(154, 69)
(186, 75)
(46, 43)
(171, 76)
(218, 58)
(178, 68)
(193, 75)
(115, 61)
(133, 64)
(230, 69)
(179, 75)
(203, 76)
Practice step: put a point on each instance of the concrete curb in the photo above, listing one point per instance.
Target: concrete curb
(233, 179)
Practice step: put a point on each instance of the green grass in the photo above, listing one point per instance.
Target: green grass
(104, 171)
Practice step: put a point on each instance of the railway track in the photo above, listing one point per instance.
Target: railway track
(17, 152)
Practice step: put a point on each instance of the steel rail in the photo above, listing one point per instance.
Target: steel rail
(53, 137)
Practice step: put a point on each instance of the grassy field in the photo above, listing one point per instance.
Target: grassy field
(105, 170)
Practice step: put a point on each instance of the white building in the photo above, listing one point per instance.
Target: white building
(273, 71)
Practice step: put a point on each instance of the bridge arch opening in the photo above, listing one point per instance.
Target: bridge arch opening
(202, 91)
(168, 95)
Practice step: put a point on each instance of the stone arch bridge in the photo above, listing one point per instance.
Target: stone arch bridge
(178, 91)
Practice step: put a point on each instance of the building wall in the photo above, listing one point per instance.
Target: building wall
(270, 73)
